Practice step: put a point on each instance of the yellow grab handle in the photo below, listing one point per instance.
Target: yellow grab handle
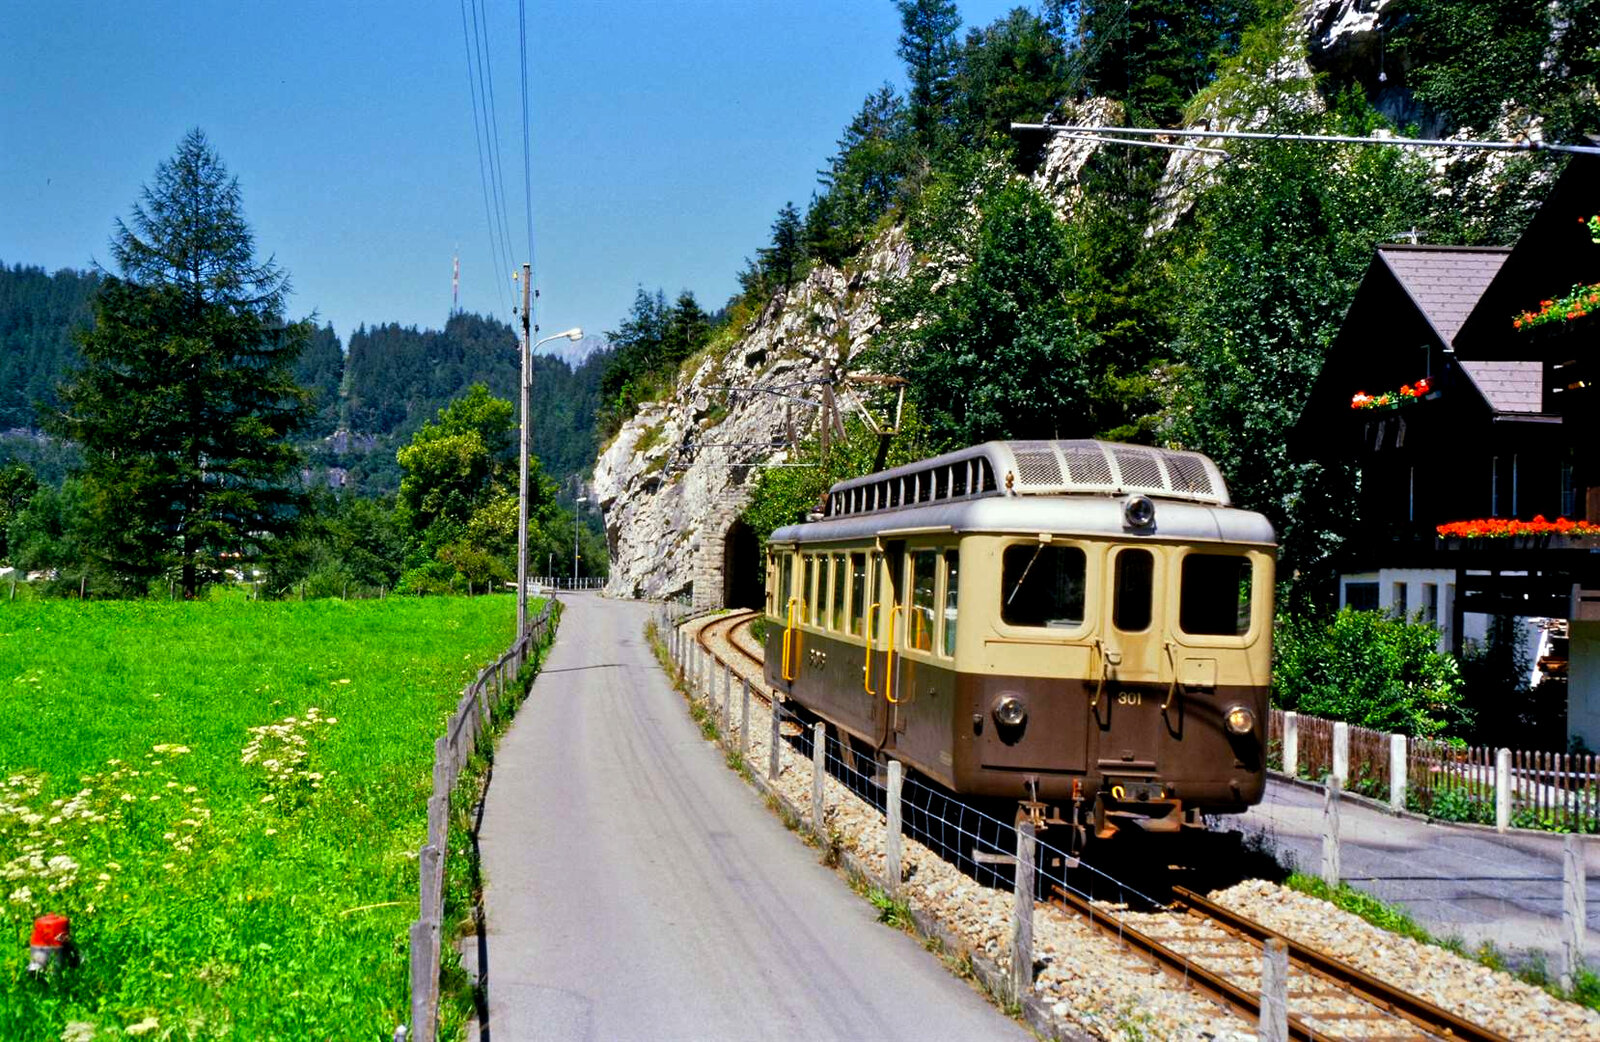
(1172, 688)
(788, 640)
(866, 671)
(1100, 686)
(888, 658)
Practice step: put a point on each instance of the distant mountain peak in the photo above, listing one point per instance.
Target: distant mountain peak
(574, 352)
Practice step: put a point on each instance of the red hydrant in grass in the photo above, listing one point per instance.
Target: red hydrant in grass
(51, 942)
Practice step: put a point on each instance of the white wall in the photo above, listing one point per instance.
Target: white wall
(1583, 682)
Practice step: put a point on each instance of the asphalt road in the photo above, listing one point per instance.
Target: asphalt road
(1463, 882)
(636, 888)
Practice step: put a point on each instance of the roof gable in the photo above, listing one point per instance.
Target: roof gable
(1445, 282)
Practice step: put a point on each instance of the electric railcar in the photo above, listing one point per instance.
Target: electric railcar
(1081, 627)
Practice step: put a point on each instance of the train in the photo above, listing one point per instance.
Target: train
(1078, 628)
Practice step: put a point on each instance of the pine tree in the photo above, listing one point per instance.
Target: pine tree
(186, 395)
(929, 49)
(781, 262)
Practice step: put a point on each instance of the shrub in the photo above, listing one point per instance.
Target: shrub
(1370, 669)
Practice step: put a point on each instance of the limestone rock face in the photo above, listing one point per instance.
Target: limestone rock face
(673, 482)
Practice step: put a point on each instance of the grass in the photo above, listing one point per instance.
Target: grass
(1585, 986)
(227, 799)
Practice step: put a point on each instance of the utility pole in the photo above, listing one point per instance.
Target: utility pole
(522, 494)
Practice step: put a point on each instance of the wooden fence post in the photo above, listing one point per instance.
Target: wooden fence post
(424, 981)
(1573, 910)
(1274, 1023)
(1341, 752)
(891, 835)
(1397, 772)
(744, 719)
(1330, 832)
(1022, 914)
(430, 874)
(773, 739)
(819, 775)
(727, 697)
(1291, 744)
(1502, 789)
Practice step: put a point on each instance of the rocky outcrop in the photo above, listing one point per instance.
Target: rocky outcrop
(675, 479)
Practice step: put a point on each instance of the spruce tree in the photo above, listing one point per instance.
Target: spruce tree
(929, 48)
(185, 395)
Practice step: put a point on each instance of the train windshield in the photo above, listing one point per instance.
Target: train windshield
(1215, 600)
(1042, 585)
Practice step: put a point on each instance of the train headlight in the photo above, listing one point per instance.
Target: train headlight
(1010, 711)
(1240, 720)
(1138, 511)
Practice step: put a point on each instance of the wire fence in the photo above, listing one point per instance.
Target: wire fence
(466, 732)
(812, 769)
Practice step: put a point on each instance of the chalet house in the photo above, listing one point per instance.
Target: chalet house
(1455, 407)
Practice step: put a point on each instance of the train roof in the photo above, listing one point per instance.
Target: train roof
(1034, 468)
(1092, 516)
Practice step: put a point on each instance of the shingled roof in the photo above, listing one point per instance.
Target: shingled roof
(1446, 283)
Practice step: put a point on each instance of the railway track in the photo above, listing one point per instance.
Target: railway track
(1219, 951)
(723, 628)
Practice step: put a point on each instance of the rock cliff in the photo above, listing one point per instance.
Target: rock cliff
(676, 477)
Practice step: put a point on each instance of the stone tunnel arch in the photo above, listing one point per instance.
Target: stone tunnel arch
(742, 573)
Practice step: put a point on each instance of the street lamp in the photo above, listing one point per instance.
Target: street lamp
(522, 494)
(575, 504)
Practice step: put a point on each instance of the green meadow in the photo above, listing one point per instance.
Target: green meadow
(226, 798)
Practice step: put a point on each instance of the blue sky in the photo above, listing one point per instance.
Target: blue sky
(665, 137)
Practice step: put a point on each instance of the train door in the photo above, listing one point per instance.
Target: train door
(1136, 661)
(892, 636)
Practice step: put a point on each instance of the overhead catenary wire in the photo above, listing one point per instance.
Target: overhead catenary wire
(1104, 133)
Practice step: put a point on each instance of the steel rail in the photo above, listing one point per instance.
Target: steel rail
(1214, 984)
(1384, 997)
(1413, 1008)
(732, 621)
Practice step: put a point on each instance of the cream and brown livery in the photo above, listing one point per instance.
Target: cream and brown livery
(1082, 627)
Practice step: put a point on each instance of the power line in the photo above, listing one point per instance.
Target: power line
(527, 146)
(497, 177)
(500, 275)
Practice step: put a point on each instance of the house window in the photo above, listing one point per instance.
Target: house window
(1503, 486)
(1361, 596)
(1397, 600)
(1430, 603)
(1569, 493)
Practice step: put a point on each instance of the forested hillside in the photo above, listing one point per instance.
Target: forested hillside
(38, 313)
(393, 379)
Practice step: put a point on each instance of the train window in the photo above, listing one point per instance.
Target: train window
(951, 560)
(858, 592)
(1042, 585)
(985, 476)
(785, 583)
(919, 620)
(837, 623)
(958, 479)
(1215, 598)
(808, 597)
(1130, 610)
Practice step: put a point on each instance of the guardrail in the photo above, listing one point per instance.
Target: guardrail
(465, 733)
